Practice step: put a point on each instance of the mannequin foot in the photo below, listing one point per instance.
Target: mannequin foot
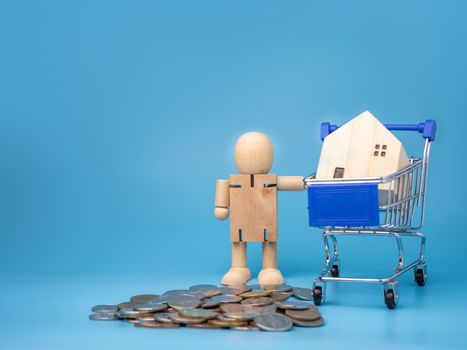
(270, 276)
(236, 276)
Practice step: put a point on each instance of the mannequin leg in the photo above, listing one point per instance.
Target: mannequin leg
(270, 274)
(239, 273)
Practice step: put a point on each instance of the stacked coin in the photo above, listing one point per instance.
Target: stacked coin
(248, 308)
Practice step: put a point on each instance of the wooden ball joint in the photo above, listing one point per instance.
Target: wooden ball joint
(250, 199)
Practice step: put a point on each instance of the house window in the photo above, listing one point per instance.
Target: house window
(338, 173)
(377, 153)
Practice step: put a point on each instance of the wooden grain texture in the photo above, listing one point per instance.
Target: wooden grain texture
(222, 193)
(253, 207)
(363, 147)
(239, 254)
(290, 183)
(269, 255)
(254, 153)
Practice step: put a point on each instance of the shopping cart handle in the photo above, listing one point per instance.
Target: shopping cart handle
(427, 129)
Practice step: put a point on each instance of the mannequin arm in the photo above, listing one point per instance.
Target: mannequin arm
(221, 211)
(290, 183)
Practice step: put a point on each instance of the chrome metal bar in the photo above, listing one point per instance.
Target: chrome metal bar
(372, 232)
(425, 152)
(400, 248)
(369, 280)
(427, 158)
(326, 249)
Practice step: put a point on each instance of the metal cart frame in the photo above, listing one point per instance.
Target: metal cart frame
(402, 214)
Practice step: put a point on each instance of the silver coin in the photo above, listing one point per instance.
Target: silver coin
(143, 298)
(150, 307)
(179, 302)
(103, 316)
(294, 305)
(163, 299)
(261, 301)
(208, 293)
(269, 309)
(176, 291)
(226, 299)
(124, 305)
(199, 313)
(241, 316)
(257, 309)
(129, 320)
(303, 293)
(202, 287)
(246, 328)
(278, 287)
(315, 323)
(105, 308)
(233, 291)
(273, 322)
(163, 317)
(241, 287)
(255, 287)
(129, 313)
(210, 303)
(146, 319)
(197, 293)
(185, 320)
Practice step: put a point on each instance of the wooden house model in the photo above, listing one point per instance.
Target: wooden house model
(363, 147)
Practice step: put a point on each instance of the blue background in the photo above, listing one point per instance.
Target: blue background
(117, 117)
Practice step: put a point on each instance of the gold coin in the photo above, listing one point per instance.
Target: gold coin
(203, 325)
(156, 325)
(231, 307)
(227, 323)
(255, 294)
(316, 323)
(310, 314)
(261, 301)
(280, 296)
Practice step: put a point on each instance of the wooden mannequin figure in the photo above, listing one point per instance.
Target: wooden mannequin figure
(251, 197)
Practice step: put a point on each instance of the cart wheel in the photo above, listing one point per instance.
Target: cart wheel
(389, 299)
(335, 271)
(420, 277)
(318, 295)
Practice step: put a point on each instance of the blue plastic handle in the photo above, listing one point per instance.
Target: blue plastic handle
(427, 129)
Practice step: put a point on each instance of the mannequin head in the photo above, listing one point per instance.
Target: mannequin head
(254, 153)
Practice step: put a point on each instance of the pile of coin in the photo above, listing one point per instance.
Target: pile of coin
(248, 308)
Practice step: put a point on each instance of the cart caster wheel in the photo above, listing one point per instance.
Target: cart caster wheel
(420, 277)
(389, 299)
(318, 295)
(335, 271)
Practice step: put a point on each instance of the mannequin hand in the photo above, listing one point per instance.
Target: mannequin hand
(221, 213)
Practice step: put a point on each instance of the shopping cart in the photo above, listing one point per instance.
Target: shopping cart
(354, 207)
